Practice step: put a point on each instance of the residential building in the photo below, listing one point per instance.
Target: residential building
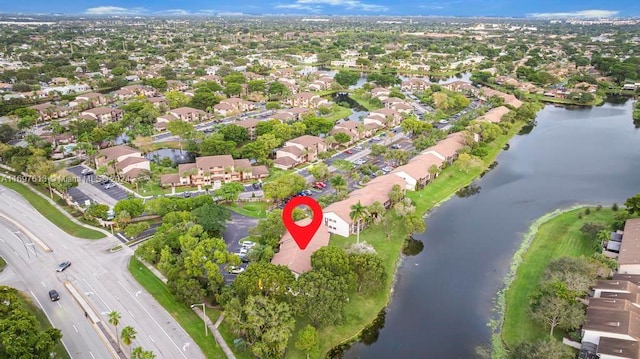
(48, 111)
(214, 171)
(415, 84)
(299, 150)
(447, 149)
(297, 260)
(629, 258)
(122, 160)
(132, 91)
(495, 114)
(250, 125)
(93, 99)
(307, 100)
(416, 173)
(103, 115)
(232, 106)
(188, 114)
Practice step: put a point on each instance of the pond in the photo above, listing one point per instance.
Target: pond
(443, 297)
(176, 156)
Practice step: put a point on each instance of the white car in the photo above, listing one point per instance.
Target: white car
(235, 269)
(360, 161)
(248, 244)
(359, 148)
(109, 185)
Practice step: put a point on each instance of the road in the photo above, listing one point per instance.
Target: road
(101, 277)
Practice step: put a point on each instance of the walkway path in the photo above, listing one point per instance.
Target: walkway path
(216, 334)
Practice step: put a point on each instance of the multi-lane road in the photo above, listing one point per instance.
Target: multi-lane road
(101, 279)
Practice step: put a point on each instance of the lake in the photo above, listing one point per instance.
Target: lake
(443, 297)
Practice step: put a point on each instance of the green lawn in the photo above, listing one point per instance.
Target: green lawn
(3, 264)
(250, 209)
(341, 113)
(364, 102)
(557, 237)
(186, 317)
(53, 214)
(27, 304)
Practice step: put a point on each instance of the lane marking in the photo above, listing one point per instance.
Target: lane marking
(90, 353)
(67, 348)
(74, 327)
(59, 305)
(43, 284)
(97, 295)
(151, 338)
(130, 313)
(154, 320)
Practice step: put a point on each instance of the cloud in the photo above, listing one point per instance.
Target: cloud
(114, 10)
(576, 14)
(316, 5)
(175, 12)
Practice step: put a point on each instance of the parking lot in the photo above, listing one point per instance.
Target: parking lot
(89, 187)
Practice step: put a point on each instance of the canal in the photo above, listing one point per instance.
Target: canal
(443, 297)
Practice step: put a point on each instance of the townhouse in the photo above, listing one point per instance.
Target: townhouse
(132, 91)
(384, 117)
(495, 114)
(92, 99)
(233, 106)
(250, 125)
(415, 84)
(336, 216)
(417, 172)
(214, 171)
(509, 99)
(307, 100)
(48, 111)
(299, 150)
(297, 260)
(103, 115)
(124, 161)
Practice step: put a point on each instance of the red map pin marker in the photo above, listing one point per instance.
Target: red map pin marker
(302, 235)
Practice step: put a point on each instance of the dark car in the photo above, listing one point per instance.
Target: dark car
(62, 266)
(53, 295)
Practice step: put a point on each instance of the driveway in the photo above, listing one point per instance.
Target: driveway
(237, 228)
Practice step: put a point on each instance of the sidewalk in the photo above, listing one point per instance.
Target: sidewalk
(216, 334)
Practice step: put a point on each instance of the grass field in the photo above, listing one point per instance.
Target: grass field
(186, 317)
(3, 264)
(250, 209)
(27, 304)
(53, 214)
(557, 237)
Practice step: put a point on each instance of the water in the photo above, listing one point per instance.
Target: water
(176, 156)
(443, 296)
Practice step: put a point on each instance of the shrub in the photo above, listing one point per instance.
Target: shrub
(587, 211)
(614, 207)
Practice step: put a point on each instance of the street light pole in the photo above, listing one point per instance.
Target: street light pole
(204, 311)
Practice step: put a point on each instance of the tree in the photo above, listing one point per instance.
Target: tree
(378, 150)
(541, 349)
(320, 171)
(176, 99)
(229, 192)
(134, 206)
(333, 260)
(114, 319)
(284, 186)
(322, 297)
(139, 353)
(633, 204)
(270, 229)
(212, 218)
(377, 211)
(358, 214)
(41, 169)
(184, 130)
(307, 341)
(317, 125)
(215, 145)
(158, 83)
(20, 333)
(468, 162)
(135, 229)
(577, 273)
(235, 133)
(277, 89)
(369, 271)
(555, 305)
(342, 138)
(233, 89)
(346, 78)
(264, 279)
(414, 224)
(396, 194)
(257, 86)
(338, 182)
(343, 165)
(128, 335)
(269, 325)
(98, 210)
(6, 132)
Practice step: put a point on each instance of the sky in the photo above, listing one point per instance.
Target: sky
(465, 8)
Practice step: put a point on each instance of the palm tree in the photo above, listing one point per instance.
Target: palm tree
(139, 353)
(357, 214)
(376, 209)
(338, 182)
(114, 319)
(128, 335)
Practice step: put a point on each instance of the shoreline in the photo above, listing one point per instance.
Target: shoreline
(498, 346)
(424, 206)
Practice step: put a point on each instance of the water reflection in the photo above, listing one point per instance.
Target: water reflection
(176, 156)
(468, 191)
(412, 247)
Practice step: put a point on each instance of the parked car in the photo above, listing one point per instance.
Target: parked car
(396, 146)
(443, 122)
(320, 185)
(248, 244)
(104, 181)
(87, 171)
(53, 295)
(307, 192)
(62, 266)
(359, 148)
(360, 161)
(348, 152)
(109, 185)
(235, 269)
(387, 169)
